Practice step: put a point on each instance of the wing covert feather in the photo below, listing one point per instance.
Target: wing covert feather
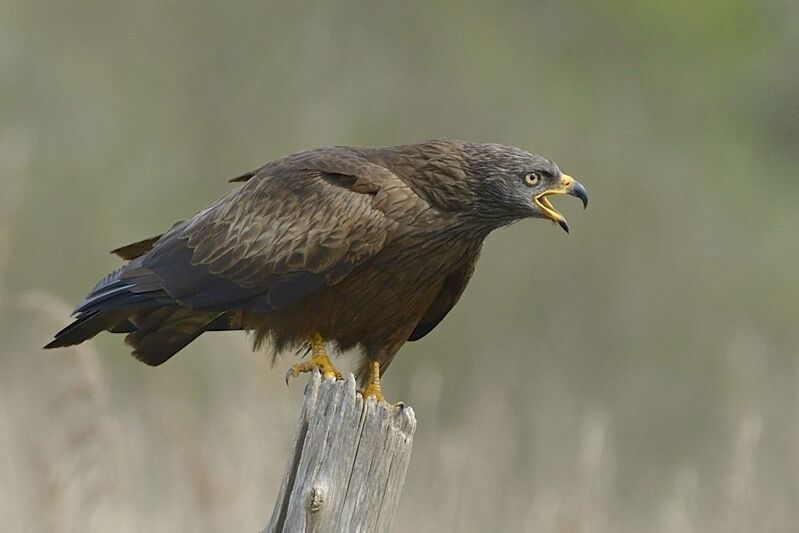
(289, 230)
(277, 226)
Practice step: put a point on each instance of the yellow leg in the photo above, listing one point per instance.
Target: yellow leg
(319, 360)
(373, 382)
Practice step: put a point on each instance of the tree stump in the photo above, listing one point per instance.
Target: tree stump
(348, 462)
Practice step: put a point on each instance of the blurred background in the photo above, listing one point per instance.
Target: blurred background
(640, 374)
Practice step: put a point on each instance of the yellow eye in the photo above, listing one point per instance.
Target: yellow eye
(532, 179)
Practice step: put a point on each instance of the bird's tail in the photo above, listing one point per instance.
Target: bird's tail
(162, 332)
(155, 333)
(86, 326)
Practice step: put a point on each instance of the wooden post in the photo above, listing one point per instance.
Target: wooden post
(348, 462)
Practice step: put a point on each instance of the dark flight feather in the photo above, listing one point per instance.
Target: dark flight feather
(450, 293)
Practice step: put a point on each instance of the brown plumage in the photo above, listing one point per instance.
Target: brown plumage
(369, 247)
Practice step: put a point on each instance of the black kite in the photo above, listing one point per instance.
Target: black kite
(366, 247)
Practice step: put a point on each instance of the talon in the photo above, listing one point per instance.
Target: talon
(319, 360)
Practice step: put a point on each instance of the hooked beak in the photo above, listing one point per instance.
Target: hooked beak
(566, 185)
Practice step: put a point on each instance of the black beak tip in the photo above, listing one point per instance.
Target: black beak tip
(577, 190)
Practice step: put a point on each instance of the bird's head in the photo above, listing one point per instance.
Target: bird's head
(511, 184)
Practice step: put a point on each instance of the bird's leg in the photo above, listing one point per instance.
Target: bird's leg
(372, 387)
(319, 360)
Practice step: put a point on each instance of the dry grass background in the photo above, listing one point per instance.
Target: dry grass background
(638, 375)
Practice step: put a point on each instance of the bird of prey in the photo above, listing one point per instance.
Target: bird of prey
(364, 247)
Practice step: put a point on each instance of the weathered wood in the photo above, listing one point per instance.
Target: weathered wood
(348, 462)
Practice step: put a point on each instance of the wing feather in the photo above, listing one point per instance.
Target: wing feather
(293, 227)
(448, 296)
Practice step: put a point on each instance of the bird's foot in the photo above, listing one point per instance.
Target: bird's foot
(372, 387)
(319, 361)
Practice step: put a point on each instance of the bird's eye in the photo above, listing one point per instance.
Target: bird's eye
(532, 179)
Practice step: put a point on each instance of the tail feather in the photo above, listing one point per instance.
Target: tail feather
(162, 332)
(85, 327)
(133, 300)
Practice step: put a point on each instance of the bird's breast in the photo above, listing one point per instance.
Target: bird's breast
(382, 300)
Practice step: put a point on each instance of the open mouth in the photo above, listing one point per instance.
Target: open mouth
(546, 206)
(567, 185)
